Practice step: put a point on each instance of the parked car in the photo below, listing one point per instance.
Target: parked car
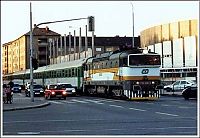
(178, 85)
(16, 88)
(190, 92)
(71, 91)
(37, 90)
(55, 91)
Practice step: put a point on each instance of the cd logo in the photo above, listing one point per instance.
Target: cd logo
(145, 71)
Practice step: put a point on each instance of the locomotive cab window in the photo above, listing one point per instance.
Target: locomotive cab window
(135, 60)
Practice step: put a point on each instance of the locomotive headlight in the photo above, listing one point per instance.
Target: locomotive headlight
(137, 82)
(52, 93)
(153, 82)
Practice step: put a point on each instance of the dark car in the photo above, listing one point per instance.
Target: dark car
(190, 92)
(16, 88)
(37, 90)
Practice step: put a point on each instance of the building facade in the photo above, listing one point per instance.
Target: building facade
(15, 54)
(50, 47)
(177, 43)
(65, 49)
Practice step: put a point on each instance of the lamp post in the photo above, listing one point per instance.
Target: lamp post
(31, 56)
(133, 25)
(31, 45)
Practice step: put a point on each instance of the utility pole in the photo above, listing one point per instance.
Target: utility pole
(31, 45)
(133, 25)
(31, 56)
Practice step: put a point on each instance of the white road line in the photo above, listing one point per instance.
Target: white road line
(28, 133)
(56, 102)
(94, 101)
(68, 102)
(166, 114)
(78, 101)
(40, 121)
(116, 106)
(137, 109)
(149, 103)
(165, 105)
(185, 107)
(109, 100)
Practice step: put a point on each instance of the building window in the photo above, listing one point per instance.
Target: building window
(98, 49)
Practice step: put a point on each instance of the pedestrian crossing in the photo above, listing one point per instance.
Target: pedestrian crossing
(84, 101)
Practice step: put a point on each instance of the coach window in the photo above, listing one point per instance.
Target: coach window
(54, 74)
(124, 62)
(110, 64)
(116, 63)
(47, 74)
(59, 73)
(63, 73)
(34, 75)
(76, 73)
(70, 73)
(51, 74)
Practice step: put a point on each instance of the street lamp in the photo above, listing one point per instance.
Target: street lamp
(31, 56)
(31, 45)
(133, 24)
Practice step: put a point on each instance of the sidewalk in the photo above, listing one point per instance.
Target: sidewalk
(20, 102)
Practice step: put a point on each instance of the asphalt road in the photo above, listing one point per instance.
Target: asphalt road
(98, 116)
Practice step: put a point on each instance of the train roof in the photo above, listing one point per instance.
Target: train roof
(71, 64)
(116, 54)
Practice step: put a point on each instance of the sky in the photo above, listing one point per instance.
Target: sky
(111, 17)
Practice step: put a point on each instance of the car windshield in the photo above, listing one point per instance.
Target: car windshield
(37, 86)
(51, 87)
(190, 81)
(16, 85)
(64, 86)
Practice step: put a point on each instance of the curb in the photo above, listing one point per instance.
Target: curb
(28, 107)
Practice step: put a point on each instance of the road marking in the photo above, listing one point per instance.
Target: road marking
(137, 109)
(40, 121)
(94, 101)
(166, 114)
(149, 103)
(28, 133)
(165, 105)
(68, 102)
(185, 107)
(78, 101)
(56, 102)
(116, 106)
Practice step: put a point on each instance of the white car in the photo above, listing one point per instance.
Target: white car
(179, 85)
(68, 88)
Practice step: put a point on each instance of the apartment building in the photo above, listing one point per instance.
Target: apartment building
(16, 53)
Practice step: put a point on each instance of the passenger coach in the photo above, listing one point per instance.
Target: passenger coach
(130, 74)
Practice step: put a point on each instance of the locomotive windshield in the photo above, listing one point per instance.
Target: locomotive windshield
(136, 60)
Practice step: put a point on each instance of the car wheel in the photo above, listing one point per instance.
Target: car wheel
(186, 98)
(168, 89)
